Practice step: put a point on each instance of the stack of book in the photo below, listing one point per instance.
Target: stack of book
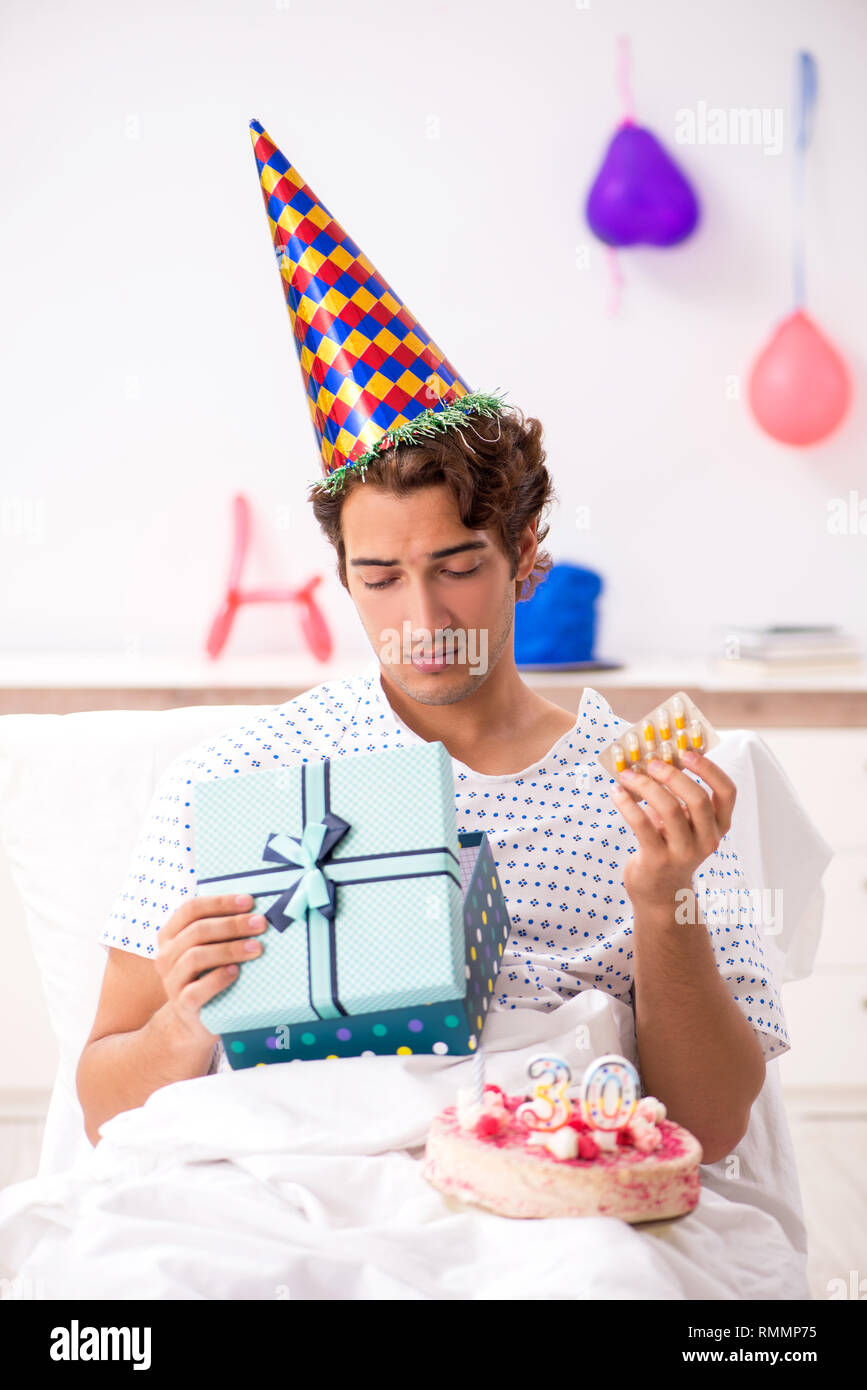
(789, 649)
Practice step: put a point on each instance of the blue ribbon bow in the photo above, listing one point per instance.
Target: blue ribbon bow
(313, 888)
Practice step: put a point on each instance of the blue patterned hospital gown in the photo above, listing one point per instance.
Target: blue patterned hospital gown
(559, 843)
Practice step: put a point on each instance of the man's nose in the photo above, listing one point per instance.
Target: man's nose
(426, 610)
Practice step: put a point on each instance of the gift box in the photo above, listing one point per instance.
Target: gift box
(451, 1026)
(355, 863)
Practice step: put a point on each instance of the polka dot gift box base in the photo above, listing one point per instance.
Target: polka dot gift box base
(453, 1025)
(354, 861)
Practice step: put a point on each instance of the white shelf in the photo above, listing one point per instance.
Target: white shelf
(672, 672)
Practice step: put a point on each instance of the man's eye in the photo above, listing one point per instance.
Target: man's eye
(455, 574)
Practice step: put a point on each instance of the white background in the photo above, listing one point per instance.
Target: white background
(148, 370)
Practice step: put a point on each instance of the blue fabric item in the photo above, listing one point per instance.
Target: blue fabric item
(559, 622)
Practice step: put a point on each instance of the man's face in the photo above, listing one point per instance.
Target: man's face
(458, 607)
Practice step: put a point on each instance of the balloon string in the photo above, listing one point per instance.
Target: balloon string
(623, 79)
(616, 281)
(806, 87)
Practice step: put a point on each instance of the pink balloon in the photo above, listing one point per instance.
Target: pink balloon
(799, 387)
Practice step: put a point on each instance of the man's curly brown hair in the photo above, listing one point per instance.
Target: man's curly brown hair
(495, 467)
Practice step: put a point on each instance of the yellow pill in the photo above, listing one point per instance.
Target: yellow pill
(633, 748)
(404, 1052)
(667, 752)
(619, 758)
(681, 740)
(648, 733)
(679, 714)
(664, 724)
(696, 734)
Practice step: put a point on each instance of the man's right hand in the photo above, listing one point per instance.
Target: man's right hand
(209, 935)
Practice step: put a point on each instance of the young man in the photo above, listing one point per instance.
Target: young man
(433, 503)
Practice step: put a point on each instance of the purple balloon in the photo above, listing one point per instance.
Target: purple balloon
(639, 194)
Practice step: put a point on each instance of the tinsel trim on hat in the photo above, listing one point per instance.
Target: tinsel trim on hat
(413, 431)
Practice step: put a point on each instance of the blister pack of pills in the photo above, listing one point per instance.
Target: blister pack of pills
(665, 733)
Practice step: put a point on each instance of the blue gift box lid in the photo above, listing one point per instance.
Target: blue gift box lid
(355, 863)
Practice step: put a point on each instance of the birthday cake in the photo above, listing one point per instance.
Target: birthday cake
(545, 1156)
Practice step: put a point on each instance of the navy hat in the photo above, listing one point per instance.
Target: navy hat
(557, 626)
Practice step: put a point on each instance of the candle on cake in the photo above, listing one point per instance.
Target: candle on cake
(550, 1106)
(546, 1115)
(610, 1102)
(479, 1075)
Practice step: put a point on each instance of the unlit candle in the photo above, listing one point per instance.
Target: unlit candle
(479, 1076)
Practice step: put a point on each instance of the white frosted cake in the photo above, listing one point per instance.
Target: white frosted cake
(645, 1170)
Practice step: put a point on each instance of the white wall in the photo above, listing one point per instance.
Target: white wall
(147, 365)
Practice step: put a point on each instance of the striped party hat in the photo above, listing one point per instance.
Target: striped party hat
(373, 376)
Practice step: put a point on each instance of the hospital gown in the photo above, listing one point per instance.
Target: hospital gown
(559, 843)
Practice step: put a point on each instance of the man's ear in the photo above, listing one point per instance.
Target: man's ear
(527, 550)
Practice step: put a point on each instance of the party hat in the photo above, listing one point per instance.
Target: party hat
(373, 376)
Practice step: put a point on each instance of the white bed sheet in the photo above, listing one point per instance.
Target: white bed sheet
(304, 1181)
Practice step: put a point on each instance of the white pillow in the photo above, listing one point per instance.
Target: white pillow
(74, 792)
(779, 848)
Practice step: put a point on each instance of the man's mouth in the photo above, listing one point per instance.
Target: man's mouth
(435, 662)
